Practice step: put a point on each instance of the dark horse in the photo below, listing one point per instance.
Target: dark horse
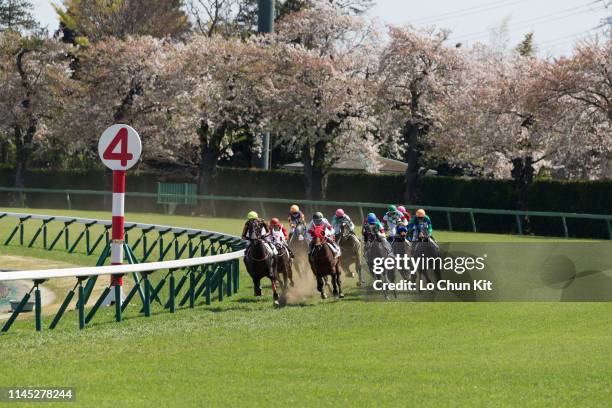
(377, 246)
(284, 265)
(260, 263)
(324, 263)
(299, 246)
(423, 246)
(402, 247)
(351, 251)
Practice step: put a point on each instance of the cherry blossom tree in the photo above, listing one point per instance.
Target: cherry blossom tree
(417, 74)
(118, 78)
(321, 107)
(35, 79)
(583, 83)
(503, 120)
(216, 88)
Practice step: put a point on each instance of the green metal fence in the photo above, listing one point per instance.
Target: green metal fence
(168, 247)
(474, 216)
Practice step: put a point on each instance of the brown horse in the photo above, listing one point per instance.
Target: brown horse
(323, 263)
(284, 265)
(260, 263)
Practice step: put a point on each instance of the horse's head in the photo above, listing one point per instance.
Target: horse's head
(345, 228)
(423, 233)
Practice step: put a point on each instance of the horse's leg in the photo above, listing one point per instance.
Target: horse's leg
(334, 280)
(289, 267)
(338, 275)
(358, 267)
(257, 285)
(274, 292)
(320, 287)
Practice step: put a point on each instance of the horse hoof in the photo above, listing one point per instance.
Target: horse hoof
(323, 295)
(359, 284)
(341, 295)
(276, 303)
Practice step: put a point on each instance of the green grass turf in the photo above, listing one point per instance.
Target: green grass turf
(322, 353)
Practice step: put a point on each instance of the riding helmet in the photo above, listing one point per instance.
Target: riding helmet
(420, 213)
(252, 215)
(274, 221)
(391, 208)
(339, 213)
(372, 218)
(294, 208)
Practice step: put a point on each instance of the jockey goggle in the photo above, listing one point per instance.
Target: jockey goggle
(317, 222)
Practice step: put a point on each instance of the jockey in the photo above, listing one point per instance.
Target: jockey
(337, 220)
(256, 228)
(392, 219)
(406, 218)
(420, 218)
(401, 233)
(319, 220)
(372, 226)
(295, 218)
(279, 234)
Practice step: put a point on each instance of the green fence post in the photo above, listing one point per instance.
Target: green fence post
(519, 225)
(172, 300)
(118, 302)
(192, 289)
(21, 233)
(235, 278)
(147, 294)
(609, 228)
(361, 213)
(448, 219)
(38, 306)
(213, 207)
(263, 209)
(473, 221)
(81, 305)
(565, 231)
(221, 271)
(208, 282)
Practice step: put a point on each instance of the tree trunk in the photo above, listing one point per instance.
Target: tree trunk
(522, 174)
(315, 171)
(23, 149)
(412, 178)
(210, 151)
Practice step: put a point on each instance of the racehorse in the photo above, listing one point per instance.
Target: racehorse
(423, 246)
(402, 247)
(284, 265)
(351, 251)
(299, 246)
(379, 247)
(260, 263)
(323, 262)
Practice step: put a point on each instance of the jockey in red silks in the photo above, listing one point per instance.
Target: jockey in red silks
(319, 225)
(406, 218)
(279, 235)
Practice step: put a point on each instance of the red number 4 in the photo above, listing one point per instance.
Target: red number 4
(121, 138)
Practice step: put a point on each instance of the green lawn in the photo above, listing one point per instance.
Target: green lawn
(321, 353)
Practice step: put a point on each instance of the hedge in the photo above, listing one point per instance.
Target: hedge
(576, 196)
